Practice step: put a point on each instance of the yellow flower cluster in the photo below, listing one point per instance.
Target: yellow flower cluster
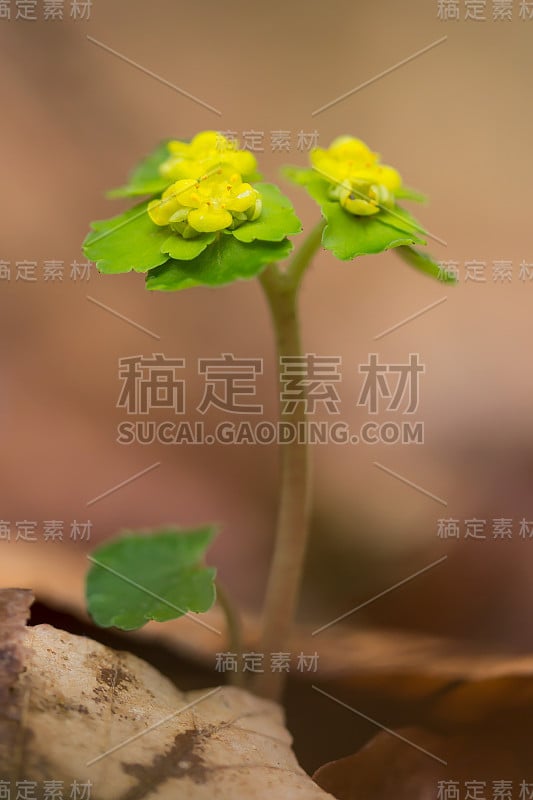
(205, 152)
(361, 184)
(210, 203)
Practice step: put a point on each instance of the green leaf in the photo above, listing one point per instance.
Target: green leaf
(157, 575)
(277, 219)
(426, 264)
(186, 249)
(145, 178)
(348, 236)
(224, 261)
(125, 242)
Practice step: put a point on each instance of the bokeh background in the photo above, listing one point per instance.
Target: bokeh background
(456, 120)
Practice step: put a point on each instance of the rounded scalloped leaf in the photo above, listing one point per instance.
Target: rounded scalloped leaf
(349, 236)
(125, 242)
(277, 219)
(158, 575)
(224, 261)
(186, 249)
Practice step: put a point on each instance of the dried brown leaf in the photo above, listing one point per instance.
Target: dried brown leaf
(389, 767)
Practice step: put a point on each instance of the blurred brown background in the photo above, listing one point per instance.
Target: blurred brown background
(457, 121)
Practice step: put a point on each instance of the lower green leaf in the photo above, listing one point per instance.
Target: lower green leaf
(186, 249)
(224, 261)
(125, 242)
(277, 219)
(150, 575)
(348, 236)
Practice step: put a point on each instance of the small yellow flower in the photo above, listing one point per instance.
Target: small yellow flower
(361, 184)
(207, 151)
(217, 201)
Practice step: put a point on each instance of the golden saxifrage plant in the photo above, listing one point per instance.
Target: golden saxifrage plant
(209, 220)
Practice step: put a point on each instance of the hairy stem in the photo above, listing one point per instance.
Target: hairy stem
(283, 590)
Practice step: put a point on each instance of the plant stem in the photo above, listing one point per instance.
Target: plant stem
(233, 623)
(302, 257)
(283, 590)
